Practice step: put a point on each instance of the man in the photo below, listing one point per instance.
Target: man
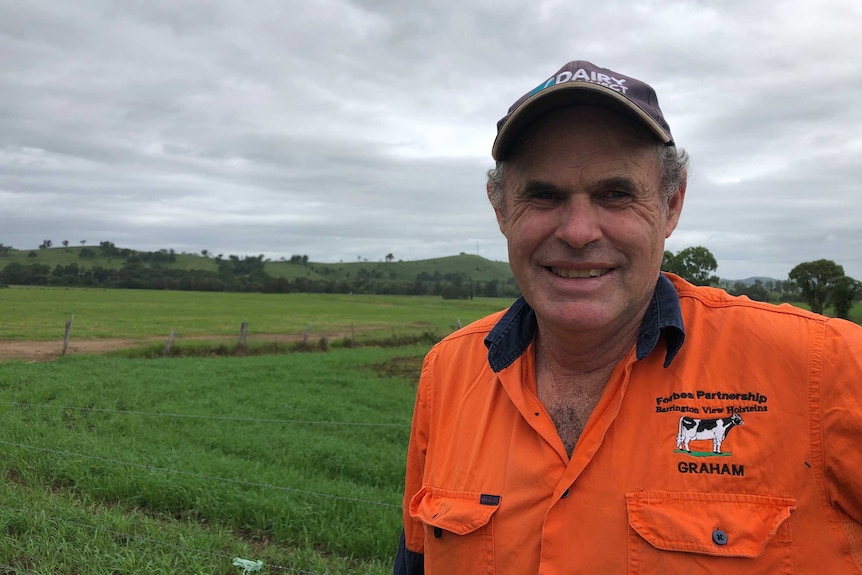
(615, 419)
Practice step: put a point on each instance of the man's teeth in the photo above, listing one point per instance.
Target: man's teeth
(568, 273)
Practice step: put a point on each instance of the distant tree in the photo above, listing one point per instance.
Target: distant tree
(693, 264)
(4, 250)
(45, 244)
(82, 242)
(32, 254)
(389, 257)
(205, 253)
(65, 243)
(756, 291)
(844, 291)
(815, 280)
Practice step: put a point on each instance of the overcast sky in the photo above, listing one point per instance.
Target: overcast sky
(346, 129)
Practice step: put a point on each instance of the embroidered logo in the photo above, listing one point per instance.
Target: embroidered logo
(714, 430)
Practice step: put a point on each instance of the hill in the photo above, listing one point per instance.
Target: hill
(109, 266)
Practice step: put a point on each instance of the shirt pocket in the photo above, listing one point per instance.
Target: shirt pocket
(671, 532)
(459, 534)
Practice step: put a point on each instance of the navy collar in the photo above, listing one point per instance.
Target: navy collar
(511, 336)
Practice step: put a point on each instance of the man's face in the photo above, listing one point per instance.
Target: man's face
(584, 219)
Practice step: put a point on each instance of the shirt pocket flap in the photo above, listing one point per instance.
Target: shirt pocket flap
(723, 524)
(460, 512)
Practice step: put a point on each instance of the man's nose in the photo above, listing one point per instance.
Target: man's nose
(579, 222)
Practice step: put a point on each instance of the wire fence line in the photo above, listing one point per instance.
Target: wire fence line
(210, 417)
(144, 539)
(199, 475)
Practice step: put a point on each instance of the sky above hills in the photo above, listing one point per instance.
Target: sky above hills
(348, 130)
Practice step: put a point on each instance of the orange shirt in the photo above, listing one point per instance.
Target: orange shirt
(742, 455)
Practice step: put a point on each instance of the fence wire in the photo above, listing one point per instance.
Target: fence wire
(198, 475)
(206, 417)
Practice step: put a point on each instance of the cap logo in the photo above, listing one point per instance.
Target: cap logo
(581, 75)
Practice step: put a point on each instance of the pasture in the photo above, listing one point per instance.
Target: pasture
(116, 464)
(39, 314)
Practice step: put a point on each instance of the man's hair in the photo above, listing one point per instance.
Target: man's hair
(673, 161)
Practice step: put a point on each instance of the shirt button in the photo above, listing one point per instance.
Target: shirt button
(719, 537)
(565, 494)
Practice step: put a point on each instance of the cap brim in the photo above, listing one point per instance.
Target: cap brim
(569, 94)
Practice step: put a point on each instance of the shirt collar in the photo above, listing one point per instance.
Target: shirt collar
(511, 336)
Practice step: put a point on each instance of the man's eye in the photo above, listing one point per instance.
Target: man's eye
(617, 195)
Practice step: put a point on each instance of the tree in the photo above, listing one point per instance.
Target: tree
(815, 280)
(45, 244)
(389, 257)
(693, 264)
(844, 291)
(65, 243)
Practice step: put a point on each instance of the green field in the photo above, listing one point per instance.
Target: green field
(118, 465)
(122, 465)
(33, 313)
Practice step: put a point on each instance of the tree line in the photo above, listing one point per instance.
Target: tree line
(145, 270)
(819, 283)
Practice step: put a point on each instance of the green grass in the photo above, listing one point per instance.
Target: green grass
(115, 465)
(33, 313)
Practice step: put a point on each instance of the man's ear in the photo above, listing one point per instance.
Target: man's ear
(674, 209)
(498, 211)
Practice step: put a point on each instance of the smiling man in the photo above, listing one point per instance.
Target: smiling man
(615, 419)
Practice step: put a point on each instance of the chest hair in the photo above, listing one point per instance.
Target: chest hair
(570, 415)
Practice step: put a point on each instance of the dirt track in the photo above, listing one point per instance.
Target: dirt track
(48, 350)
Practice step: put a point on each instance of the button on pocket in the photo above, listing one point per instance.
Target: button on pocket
(459, 535)
(666, 528)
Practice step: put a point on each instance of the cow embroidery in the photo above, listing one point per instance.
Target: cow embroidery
(714, 429)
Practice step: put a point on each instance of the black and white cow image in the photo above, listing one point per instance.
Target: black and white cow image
(714, 429)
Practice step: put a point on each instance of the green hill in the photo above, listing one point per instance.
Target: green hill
(460, 269)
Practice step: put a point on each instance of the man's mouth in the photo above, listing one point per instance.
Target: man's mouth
(580, 273)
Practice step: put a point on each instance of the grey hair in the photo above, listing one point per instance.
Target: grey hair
(673, 161)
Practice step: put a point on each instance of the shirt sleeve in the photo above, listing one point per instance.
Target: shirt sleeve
(841, 393)
(407, 562)
(410, 558)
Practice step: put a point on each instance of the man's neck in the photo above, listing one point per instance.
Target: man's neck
(581, 354)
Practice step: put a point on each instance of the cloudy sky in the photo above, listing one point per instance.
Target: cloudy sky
(347, 129)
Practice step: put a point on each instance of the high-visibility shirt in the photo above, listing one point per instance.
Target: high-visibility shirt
(737, 451)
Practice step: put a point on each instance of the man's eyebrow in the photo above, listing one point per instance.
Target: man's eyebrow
(542, 187)
(620, 183)
(538, 187)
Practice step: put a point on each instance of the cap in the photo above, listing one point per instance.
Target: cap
(581, 82)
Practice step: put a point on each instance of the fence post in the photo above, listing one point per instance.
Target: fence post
(67, 334)
(169, 344)
(243, 333)
(306, 334)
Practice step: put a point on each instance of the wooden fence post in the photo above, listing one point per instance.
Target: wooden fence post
(243, 334)
(169, 344)
(67, 334)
